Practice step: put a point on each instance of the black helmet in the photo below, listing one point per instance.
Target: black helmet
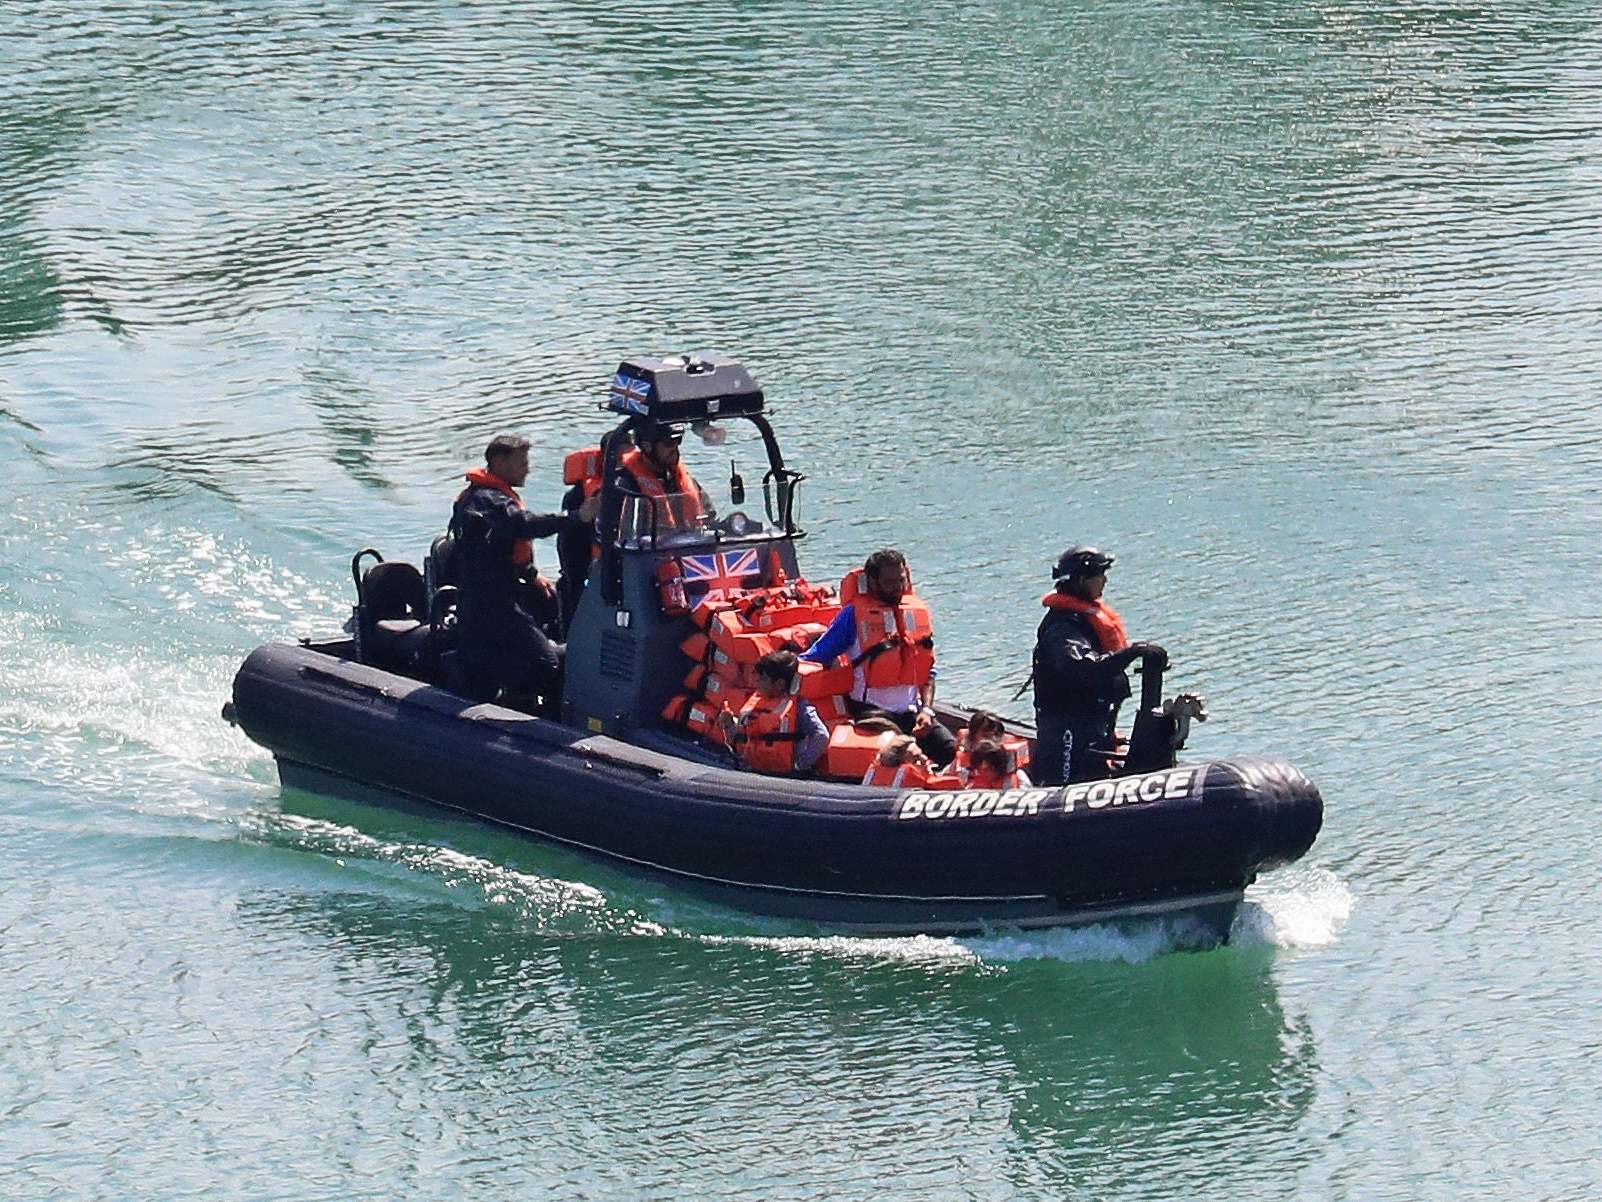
(652, 431)
(1076, 562)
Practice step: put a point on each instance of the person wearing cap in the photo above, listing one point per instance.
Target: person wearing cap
(653, 469)
(504, 599)
(1081, 654)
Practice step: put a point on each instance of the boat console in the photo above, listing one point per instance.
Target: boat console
(623, 663)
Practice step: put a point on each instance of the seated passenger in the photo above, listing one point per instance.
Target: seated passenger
(987, 724)
(886, 633)
(653, 470)
(994, 767)
(901, 764)
(776, 732)
(982, 724)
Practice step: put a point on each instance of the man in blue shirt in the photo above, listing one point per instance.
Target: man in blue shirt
(893, 675)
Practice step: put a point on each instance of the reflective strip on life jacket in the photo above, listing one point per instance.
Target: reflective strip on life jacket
(678, 510)
(904, 775)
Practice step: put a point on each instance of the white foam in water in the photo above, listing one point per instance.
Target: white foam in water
(1299, 908)
(1134, 944)
(927, 950)
(476, 881)
(1303, 908)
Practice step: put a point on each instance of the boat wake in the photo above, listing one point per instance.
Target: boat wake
(1304, 909)
(427, 872)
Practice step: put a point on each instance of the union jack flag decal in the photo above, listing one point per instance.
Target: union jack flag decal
(713, 577)
(629, 394)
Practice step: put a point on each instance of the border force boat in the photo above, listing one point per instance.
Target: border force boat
(631, 768)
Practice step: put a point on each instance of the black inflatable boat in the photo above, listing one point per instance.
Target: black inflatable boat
(390, 711)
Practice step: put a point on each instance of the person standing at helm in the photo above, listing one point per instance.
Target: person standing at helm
(885, 630)
(502, 589)
(1081, 652)
(653, 470)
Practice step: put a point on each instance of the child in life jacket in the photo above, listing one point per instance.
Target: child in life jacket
(902, 764)
(982, 725)
(776, 731)
(993, 766)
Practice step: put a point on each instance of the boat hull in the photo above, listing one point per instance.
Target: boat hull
(1185, 841)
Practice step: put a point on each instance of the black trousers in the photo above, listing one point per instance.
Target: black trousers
(510, 652)
(1063, 747)
(938, 743)
(573, 553)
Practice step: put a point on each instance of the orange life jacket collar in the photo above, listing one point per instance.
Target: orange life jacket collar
(1104, 621)
(679, 511)
(482, 477)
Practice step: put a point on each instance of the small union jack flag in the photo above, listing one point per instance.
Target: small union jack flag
(629, 394)
(719, 574)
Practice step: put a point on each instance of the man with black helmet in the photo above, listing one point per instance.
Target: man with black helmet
(654, 471)
(1081, 653)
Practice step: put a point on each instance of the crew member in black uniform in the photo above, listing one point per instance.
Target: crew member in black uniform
(1081, 653)
(505, 602)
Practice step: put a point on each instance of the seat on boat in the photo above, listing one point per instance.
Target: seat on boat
(392, 628)
(440, 566)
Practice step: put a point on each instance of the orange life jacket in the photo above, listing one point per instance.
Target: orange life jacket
(769, 731)
(987, 778)
(1016, 744)
(851, 751)
(1107, 626)
(678, 510)
(895, 643)
(905, 775)
(583, 467)
(523, 548)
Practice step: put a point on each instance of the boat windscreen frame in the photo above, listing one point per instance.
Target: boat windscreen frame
(778, 490)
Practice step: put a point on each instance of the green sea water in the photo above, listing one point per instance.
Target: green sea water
(1297, 309)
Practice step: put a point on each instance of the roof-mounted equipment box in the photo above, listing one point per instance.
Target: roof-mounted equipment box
(684, 388)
